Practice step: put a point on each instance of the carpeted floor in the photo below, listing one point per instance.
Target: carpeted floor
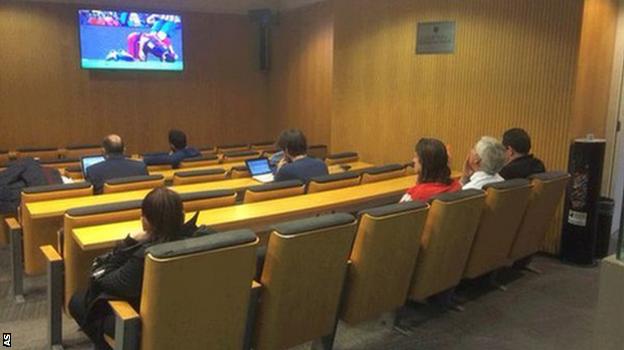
(550, 311)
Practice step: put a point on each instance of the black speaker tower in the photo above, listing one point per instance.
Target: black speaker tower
(265, 19)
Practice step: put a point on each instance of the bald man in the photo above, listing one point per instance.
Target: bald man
(115, 166)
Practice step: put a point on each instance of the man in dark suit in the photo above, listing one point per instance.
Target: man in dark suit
(179, 151)
(115, 166)
(520, 162)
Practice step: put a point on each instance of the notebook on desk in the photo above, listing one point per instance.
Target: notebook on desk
(260, 169)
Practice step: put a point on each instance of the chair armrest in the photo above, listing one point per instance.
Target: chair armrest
(13, 224)
(54, 265)
(123, 310)
(127, 325)
(50, 253)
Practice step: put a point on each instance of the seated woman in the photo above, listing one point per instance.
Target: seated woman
(434, 174)
(119, 275)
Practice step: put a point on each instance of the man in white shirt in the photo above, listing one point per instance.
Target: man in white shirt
(484, 162)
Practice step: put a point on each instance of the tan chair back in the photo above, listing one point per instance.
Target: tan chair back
(41, 232)
(333, 181)
(383, 173)
(239, 172)
(548, 190)
(81, 151)
(263, 146)
(382, 260)
(232, 148)
(195, 201)
(44, 153)
(51, 192)
(60, 164)
(73, 172)
(199, 161)
(274, 190)
(445, 244)
(159, 167)
(132, 183)
(268, 153)
(341, 158)
(196, 292)
(317, 151)
(198, 176)
(77, 261)
(208, 150)
(231, 157)
(505, 203)
(302, 278)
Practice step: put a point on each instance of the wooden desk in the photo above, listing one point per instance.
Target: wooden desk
(52, 208)
(254, 214)
(41, 220)
(45, 209)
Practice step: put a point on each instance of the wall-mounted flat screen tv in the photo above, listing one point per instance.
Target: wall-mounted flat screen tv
(130, 40)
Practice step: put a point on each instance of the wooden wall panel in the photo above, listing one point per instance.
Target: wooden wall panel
(514, 65)
(594, 72)
(46, 99)
(301, 76)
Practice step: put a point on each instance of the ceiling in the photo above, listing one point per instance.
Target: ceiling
(217, 6)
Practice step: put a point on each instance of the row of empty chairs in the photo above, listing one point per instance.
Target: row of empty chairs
(50, 153)
(322, 269)
(77, 151)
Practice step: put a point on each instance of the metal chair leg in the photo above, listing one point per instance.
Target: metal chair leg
(17, 264)
(55, 297)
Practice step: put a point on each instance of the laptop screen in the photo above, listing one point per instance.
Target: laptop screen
(88, 161)
(259, 166)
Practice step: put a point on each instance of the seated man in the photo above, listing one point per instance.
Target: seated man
(296, 165)
(484, 162)
(179, 151)
(115, 166)
(520, 163)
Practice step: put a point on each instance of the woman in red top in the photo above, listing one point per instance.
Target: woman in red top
(432, 170)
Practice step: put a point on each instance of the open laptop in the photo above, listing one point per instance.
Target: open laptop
(88, 161)
(260, 169)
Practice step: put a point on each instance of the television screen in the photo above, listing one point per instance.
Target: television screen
(130, 40)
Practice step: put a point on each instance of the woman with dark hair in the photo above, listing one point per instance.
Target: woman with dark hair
(432, 170)
(119, 274)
